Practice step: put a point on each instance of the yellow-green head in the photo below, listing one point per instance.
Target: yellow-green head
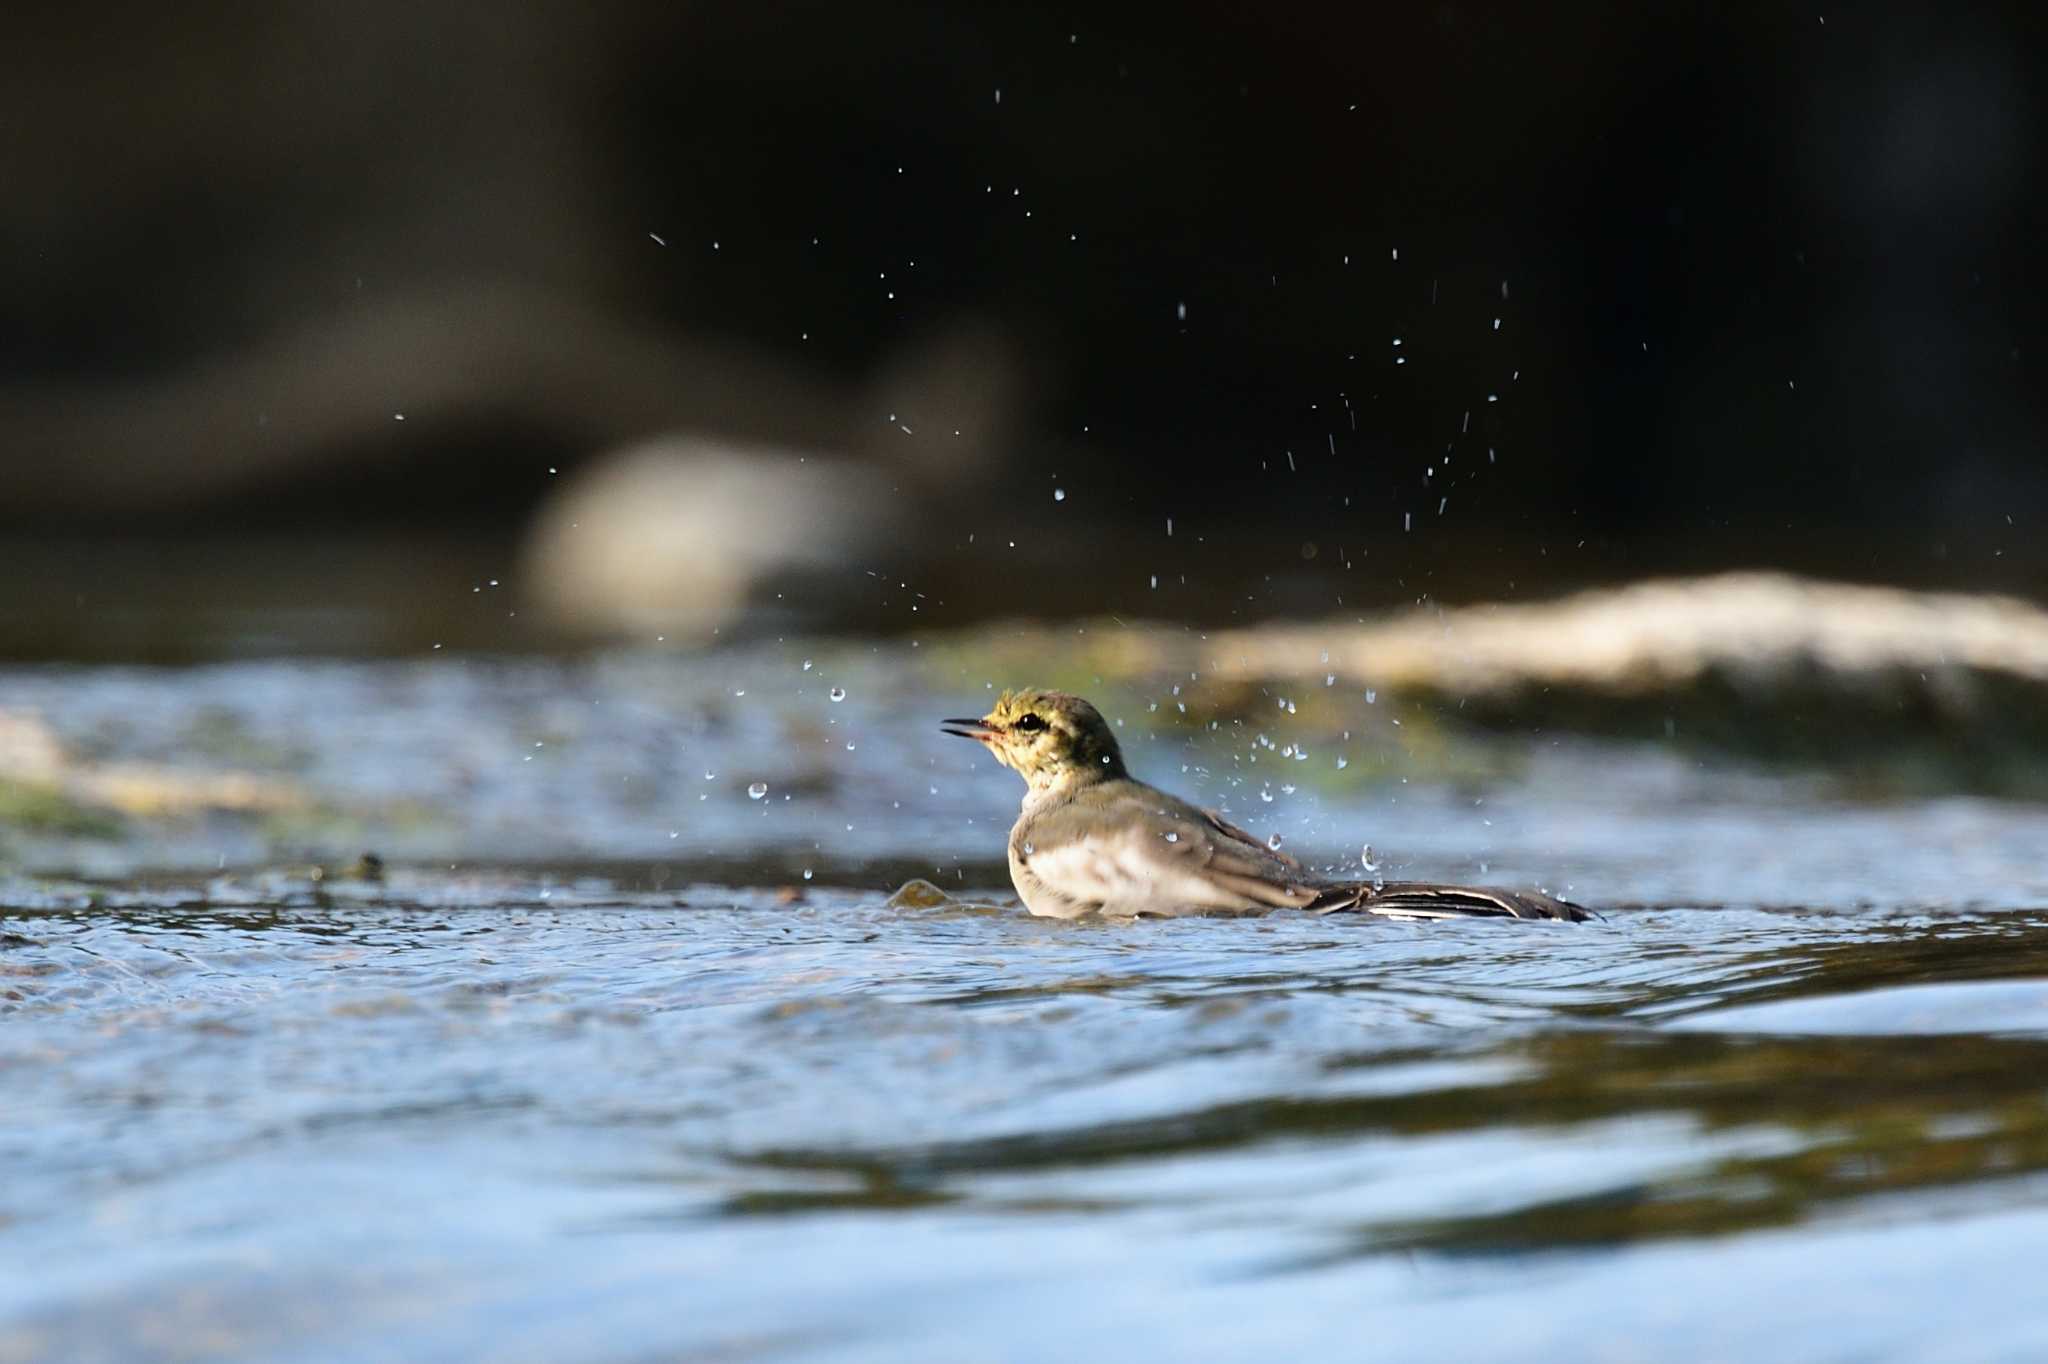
(1050, 738)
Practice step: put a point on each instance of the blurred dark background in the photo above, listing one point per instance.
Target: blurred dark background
(362, 327)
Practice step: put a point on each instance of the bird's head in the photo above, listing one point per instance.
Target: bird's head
(1051, 738)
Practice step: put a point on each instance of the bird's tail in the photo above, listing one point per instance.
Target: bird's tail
(1429, 900)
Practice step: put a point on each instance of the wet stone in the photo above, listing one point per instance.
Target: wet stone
(920, 894)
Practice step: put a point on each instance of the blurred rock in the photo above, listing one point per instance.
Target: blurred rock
(1761, 630)
(33, 758)
(674, 538)
(151, 790)
(677, 536)
(29, 751)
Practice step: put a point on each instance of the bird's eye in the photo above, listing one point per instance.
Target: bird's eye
(1028, 722)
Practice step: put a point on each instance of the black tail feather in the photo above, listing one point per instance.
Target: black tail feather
(1428, 900)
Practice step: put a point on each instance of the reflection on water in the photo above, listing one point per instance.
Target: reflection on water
(488, 1113)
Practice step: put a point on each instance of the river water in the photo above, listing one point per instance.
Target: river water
(596, 1073)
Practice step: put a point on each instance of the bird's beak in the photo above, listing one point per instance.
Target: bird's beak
(970, 729)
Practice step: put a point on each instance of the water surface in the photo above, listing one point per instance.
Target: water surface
(1790, 1099)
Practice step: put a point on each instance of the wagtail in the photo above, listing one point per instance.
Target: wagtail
(1092, 839)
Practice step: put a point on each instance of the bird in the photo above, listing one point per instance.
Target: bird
(1093, 839)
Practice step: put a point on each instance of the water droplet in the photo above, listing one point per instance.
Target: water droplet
(1371, 696)
(1173, 838)
(807, 665)
(1329, 679)
(837, 693)
(1059, 494)
(1273, 842)
(807, 873)
(1342, 763)
(1365, 858)
(1266, 794)
(757, 790)
(1028, 849)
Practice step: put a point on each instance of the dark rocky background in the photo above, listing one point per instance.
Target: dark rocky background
(1768, 284)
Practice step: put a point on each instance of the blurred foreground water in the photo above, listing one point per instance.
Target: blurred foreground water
(596, 1071)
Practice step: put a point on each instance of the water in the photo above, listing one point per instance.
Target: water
(1790, 1099)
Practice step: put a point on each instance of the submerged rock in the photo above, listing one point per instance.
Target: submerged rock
(920, 894)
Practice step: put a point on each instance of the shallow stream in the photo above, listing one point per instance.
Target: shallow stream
(597, 1093)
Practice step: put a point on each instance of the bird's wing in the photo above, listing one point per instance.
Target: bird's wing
(1427, 900)
(1139, 851)
(1230, 831)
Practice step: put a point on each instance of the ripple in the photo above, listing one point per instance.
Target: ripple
(556, 1079)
